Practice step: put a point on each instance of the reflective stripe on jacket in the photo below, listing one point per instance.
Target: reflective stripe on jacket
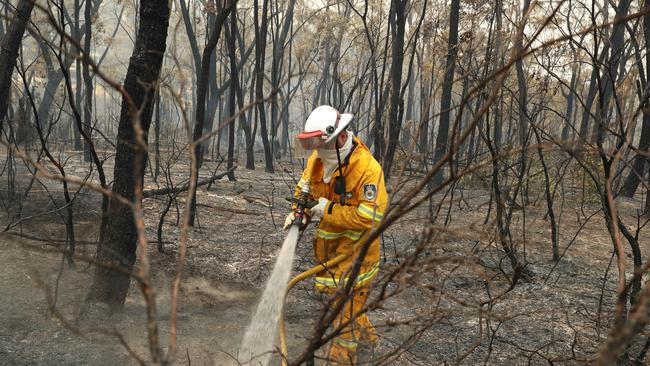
(341, 227)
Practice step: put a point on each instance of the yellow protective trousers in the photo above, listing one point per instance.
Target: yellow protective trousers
(356, 328)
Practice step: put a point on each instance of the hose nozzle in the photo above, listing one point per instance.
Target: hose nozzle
(302, 203)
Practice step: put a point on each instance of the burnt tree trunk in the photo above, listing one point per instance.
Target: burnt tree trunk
(260, 50)
(589, 102)
(398, 20)
(639, 163)
(9, 52)
(524, 117)
(88, 82)
(234, 77)
(276, 66)
(638, 166)
(54, 78)
(426, 102)
(615, 43)
(213, 96)
(445, 101)
(647, 198)
(611, 75)
(157, 135)
(407, 137)
(549, 199)
(117, 250)
(568, 118)
(231, 103)
(76, 99)
(201, 94)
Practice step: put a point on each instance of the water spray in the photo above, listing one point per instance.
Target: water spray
(257, 346)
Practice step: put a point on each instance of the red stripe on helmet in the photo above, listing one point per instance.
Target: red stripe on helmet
(306, 135)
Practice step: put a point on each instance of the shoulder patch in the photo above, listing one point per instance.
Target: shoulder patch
(369, 191)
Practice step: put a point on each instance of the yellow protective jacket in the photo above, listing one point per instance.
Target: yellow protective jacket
(341, 227)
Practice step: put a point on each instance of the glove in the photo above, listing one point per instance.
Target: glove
(319, 209)
(291, 217)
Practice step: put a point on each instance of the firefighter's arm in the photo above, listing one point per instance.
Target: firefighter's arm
(370, 210)
(304, 179)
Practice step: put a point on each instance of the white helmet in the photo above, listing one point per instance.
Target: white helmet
(322, 126)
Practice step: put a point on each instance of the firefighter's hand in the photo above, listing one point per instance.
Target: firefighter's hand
(291, 217)
(319, 209)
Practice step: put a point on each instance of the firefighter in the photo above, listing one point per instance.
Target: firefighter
(348, 184)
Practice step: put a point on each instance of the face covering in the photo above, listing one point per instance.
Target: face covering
(330, 160)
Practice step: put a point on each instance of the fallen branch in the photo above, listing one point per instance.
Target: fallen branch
(57, 242)
(158, 192)
(231, 209)
(49, 241)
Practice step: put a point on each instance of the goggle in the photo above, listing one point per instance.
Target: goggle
(311, 140)
(315, 139)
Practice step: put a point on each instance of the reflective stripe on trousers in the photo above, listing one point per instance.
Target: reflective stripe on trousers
(333, 282)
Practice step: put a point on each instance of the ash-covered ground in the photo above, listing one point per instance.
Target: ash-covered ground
(452, 304)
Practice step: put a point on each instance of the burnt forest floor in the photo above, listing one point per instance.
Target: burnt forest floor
(561, 313)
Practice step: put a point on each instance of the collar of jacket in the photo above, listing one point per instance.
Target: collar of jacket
(353, 166)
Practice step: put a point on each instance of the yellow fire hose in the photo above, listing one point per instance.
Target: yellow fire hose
(310, 272)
